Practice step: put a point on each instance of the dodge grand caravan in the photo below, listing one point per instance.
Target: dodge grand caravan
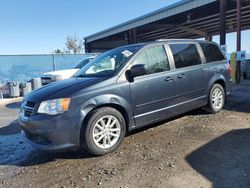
(123, 89)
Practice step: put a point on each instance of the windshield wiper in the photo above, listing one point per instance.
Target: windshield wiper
(81, 76)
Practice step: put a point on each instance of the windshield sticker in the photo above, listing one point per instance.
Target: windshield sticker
(127, 53)
(113, 63)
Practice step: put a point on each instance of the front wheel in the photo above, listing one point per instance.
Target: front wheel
(104, 132)
(216, 98)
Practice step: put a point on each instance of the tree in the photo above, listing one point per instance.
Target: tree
(58, 51)
(74, 44)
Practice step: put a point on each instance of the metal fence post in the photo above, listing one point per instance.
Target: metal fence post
(1, 91)
(54, 63)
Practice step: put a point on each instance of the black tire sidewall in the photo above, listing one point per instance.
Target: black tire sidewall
(211, 107)
(95, 115)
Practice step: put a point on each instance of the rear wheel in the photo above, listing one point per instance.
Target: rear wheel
(245, 75)
(216, 98)
(104, 132)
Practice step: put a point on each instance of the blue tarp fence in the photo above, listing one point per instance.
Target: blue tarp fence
(24, 67)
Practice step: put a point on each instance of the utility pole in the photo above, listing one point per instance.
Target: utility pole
(238, 39)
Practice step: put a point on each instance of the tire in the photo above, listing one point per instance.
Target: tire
(217, 92)
(104, 132)
(244, 75)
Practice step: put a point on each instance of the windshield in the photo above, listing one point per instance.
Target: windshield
(82, 63)
(109, 63)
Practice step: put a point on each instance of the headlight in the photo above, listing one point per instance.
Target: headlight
(55, 106)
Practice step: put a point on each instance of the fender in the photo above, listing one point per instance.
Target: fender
(108, 100)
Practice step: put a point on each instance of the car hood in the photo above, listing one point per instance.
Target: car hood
(63, 88)
(67, 73)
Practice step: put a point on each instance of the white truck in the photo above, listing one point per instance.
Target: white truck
(53, 76)
(245, 68)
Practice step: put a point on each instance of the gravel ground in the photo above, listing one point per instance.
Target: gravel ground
(193, 150)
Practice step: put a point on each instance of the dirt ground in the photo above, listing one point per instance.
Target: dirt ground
(193, 150)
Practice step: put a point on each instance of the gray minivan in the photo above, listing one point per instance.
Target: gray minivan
(123, 89)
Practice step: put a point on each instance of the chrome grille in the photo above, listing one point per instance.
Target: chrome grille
(30, 104)
(28, 108)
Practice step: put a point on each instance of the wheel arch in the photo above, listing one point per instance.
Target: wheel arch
(218, 79)
(120, 104)
(118, 107)
(222, 83)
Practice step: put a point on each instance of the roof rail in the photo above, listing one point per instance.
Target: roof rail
(162, 40)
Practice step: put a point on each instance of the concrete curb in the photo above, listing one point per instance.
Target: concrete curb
(10, 100)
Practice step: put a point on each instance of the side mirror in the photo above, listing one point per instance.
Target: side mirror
(138, 70)
(135, 71)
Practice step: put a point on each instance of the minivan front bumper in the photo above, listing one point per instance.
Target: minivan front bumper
(50, 133)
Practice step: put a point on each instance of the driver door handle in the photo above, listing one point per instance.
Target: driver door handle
(169, 79)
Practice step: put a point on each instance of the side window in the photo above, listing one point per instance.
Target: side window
(155, 59)
(185, 55)
(212, 52)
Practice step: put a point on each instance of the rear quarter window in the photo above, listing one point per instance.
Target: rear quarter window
(212, 52)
